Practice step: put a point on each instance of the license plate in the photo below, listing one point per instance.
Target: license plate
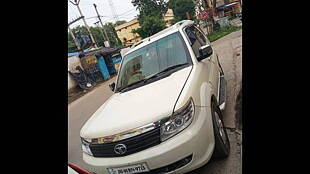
(137, 168)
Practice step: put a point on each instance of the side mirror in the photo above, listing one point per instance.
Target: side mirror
(204, 52)
(112, 86)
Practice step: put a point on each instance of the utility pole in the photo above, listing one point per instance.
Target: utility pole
(103, 36)
(70, 23)
(91, 36)
(114, 16)
(106, 36)
(116, 40)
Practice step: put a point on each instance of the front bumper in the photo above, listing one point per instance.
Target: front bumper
(196, 140)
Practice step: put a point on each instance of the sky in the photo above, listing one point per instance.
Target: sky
(123, 8)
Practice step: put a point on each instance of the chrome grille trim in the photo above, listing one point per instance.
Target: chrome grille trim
(129, 133)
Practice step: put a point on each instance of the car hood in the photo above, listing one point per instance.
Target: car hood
(137, 107)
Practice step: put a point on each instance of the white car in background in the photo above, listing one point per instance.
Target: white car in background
(165, 114)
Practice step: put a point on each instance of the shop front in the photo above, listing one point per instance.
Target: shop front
(231, 9)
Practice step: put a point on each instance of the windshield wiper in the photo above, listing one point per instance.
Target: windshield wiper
(143, 81)
(165, 71)
(130, 85)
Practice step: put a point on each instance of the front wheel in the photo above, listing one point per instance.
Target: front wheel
(222, 144)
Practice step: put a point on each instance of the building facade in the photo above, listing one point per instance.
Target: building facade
(223, 7)
(229, 8)
(125, 34)
(169, 16)
(127, 37)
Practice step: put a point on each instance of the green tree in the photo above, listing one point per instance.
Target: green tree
(76, 31)
(70, 37)
(99, 35)
(99, 38)
(117, 23)
(110, 29)
(180, 7)
(72, 47)
(71, 44)
(150, 26)
(150, 17)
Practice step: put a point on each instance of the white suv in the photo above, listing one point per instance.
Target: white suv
(165, 113)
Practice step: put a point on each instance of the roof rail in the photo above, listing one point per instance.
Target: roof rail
(179, 23)
(176, 25)
(183, 22)
(138, 43)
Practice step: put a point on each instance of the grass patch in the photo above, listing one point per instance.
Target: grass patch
(223, 32)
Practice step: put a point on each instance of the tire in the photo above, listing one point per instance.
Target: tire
(222, 144)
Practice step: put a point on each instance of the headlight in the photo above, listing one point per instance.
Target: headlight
(178, 121)
(85, 147)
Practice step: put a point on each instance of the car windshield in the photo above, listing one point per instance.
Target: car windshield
(168, 52)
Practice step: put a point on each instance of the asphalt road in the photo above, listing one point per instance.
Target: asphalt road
(229, 50)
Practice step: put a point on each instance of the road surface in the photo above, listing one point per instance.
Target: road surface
(229, 50)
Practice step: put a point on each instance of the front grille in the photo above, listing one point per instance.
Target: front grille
(133, 144)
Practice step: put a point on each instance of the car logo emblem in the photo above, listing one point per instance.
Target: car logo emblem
(120, 149)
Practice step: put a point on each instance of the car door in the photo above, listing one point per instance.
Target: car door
(210, 70)
(214, 67)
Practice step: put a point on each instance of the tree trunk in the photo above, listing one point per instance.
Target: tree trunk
(213, 12)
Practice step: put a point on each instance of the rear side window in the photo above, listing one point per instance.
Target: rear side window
(196, 39)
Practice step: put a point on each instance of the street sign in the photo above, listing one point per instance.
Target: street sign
(203, 15)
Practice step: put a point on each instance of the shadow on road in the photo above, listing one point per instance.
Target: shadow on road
(238, 108)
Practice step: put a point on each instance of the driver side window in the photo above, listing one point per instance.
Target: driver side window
(196, 39)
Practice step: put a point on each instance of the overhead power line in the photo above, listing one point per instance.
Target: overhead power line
(73, 11)
(96, 17)
(76, 3)
(129, 12)
(106, 36)
(113, 10)
(75, 20)
(126, 12)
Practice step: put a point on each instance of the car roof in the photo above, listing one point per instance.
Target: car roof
(172, 29)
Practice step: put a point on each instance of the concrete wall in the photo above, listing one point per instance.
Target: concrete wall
(73, 62)
(71, 82)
